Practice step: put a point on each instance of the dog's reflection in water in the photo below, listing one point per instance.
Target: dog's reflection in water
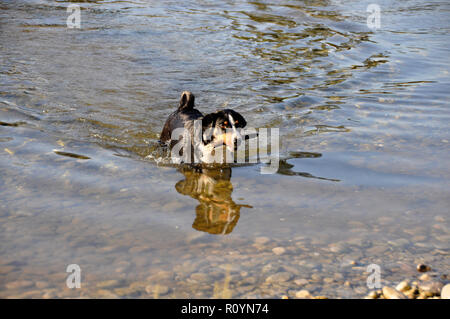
(217, 213)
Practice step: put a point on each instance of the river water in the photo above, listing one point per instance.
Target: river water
(364, 171)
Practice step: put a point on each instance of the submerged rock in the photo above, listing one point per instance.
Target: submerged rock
(391, 293)
(303, 294)
(430, 288)
(279, 277)
(423, 268)
(403, 286)
(445, 292)
(279, 250)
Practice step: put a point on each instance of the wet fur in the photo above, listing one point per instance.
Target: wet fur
(186, 113)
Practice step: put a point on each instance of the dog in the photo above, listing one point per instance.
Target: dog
(220, 128)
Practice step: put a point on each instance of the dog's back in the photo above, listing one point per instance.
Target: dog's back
(183, 117)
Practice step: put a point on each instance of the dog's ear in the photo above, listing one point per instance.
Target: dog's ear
(187, 101)
(238, 119)
(209, 120)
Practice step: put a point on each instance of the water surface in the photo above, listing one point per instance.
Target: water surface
(363, 117)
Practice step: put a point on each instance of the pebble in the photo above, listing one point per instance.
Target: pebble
(391, 293)
(338, 248)
(445, 292)
(430, 288)
(41, 284)
(303, 294)
(200, 277)
(279, 277)
(348, 263)
(103, 293)
(279, 250)
(19, 284)
(108, 283)
(157, 290)
(49, 294)
(403, 286)
(425, 277)
(301, 282)
(423, 268)
(411, 294)
(373, 294)
(262, 240)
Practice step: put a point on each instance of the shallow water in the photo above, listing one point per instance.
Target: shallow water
(363, 118)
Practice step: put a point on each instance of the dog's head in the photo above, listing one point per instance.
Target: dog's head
(222, 128)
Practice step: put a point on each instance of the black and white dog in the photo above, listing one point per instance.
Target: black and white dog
(217, 129)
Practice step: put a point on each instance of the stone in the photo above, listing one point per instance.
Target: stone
(425, 277)
(157, 290)
(423, 268)
(279, 250)
(338, 248)
(403, 286)
(411, 294)
(103, 293)
(348, 263)
(431, 288)
(41, 284)
(301, 282)
(108, 283)
(391, 293)
(200, 277)
(19, 284)
(445, 292)
(279, 277)
(49, 294)
(373, 295)
(262, 240)
(303, 294)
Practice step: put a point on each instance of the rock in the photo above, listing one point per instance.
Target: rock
(430, 288)
(348, 263)
(108, 283)
(49, 294)
(41, 284)
(411, 294)
(279, 250)
(423, 268)
(338, 248)
(301, 282)
(19, 284)
(403, 286)
(425, 277)
(127, 292)
(157, 290)
(303, 294)
(445, 292)
(103, 293)
(373, 295)
(391, 293)
(279, 277)
(262, 240)
(315, 277)
(200, 277)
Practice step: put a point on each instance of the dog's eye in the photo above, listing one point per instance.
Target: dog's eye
(236, 122)
(225, 123)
